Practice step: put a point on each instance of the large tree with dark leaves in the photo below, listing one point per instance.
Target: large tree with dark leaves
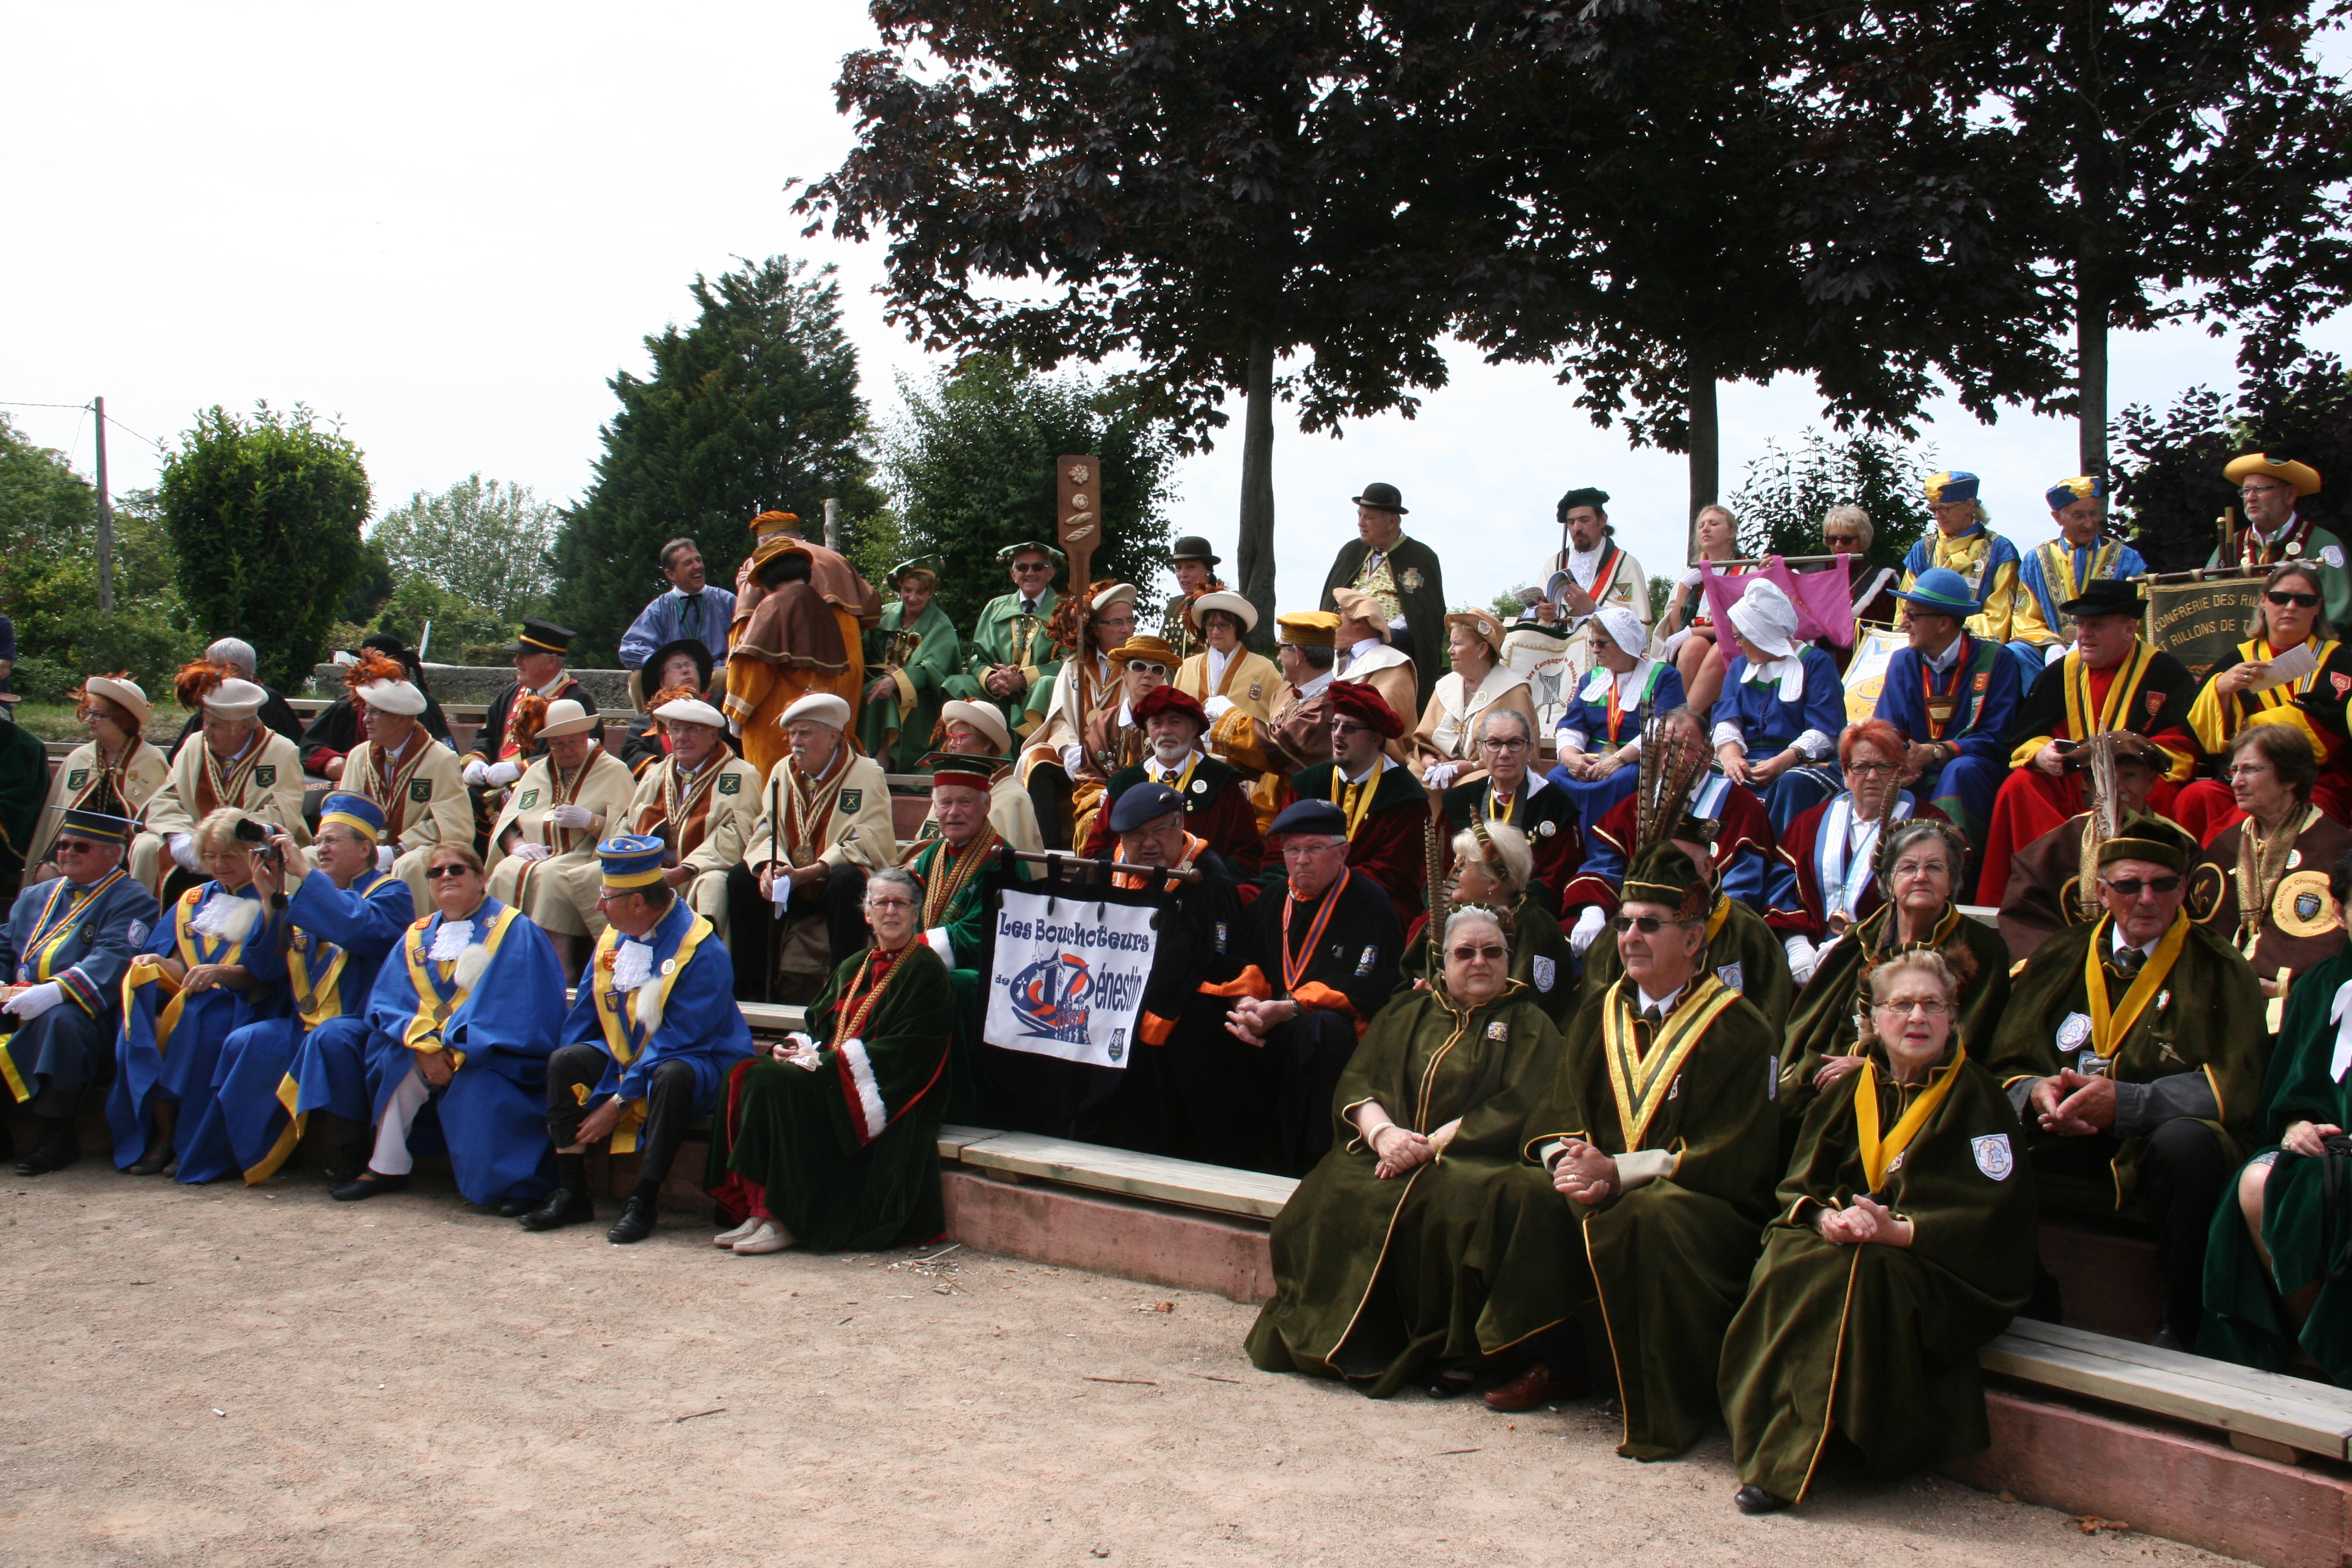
(754, 406)
(1210, 187)
(2193, 156)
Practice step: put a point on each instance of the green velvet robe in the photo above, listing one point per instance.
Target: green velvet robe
(896, 727)
(1539, 952)
(834, 1178)
(2209, 1017)
(1374, 1280)
(1652, 1275)
(2244, 1319)
(1831, 1015)
(1880, 1342)
(1744, 953)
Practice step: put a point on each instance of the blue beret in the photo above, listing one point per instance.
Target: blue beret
(1143, 803)
(1956, 484)
(1320, 816)
(2082, 486)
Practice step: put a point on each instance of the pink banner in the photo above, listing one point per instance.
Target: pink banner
(1823, 599)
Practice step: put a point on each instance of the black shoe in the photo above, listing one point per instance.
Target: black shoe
(564, 1206)
(515, 1208)
(1756, 1499)
(150, 1163)
(55, 1151)
(344, 1166)
(369, 1184)
(636, 1223)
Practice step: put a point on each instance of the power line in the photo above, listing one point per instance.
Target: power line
(5, 403)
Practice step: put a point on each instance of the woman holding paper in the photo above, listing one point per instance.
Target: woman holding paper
(2290, 671)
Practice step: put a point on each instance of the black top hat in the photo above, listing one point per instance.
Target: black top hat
(1192, 547)
(691, 647)
(542, 637)
(1384, 496)
(2105, 596)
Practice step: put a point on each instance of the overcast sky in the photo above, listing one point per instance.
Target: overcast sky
(448, 224)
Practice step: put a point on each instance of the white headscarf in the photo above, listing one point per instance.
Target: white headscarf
(1624, 628)
(1765, 616)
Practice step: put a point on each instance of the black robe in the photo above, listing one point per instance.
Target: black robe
(1424, 602)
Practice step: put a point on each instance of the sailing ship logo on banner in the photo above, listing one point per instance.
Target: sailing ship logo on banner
(1050, 998)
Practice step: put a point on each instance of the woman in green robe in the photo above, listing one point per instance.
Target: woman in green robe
(1492, 864)
(1831, 1021)
(915, 648)
(2276, 1260)
(1905, 1241)
(829, 1139)
(1372, 1282)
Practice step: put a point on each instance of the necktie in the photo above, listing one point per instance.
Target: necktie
(2129, 960)
(1028, 606)
(1647, 1026)
(690, 619)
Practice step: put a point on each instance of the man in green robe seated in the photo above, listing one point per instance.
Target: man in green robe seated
(915, 646)
(830, 1139)
(2133, 1049)
(2276, 1283)
(1010, 650)
(952, 870)
(1650, 1175)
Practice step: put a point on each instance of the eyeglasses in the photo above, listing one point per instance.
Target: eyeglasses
(1026, 567)
(889, 903)
(1345, 727)
(1471, 954)
(1920, 868)
(1872, 770)
(1147, 666)
(2300, 601)
(2132, 887)
(1648, 925)
(1517, 745)
(435, 873)
(1903, 1009)
(2262, 489)
(2250, 770)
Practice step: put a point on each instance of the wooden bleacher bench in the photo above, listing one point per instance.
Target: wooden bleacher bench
(1249, 1194)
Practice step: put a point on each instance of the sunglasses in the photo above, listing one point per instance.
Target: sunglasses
(1648, 925)
(2131, 887)
(1025, 567)
(2300, 601)
(433, 873)
(1471, 954)
(1147, 667)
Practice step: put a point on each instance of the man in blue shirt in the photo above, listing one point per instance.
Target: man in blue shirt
(691, 609)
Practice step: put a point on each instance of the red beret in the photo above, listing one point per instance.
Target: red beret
(1357, 701)
(1167, 699)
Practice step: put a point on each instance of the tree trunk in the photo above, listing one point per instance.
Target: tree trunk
(1705, 448)
(2093, 293)
(1254, 550)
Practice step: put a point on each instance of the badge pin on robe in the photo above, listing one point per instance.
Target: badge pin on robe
(1364, 965)
(1498, 1030)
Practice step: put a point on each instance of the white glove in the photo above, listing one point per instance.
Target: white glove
(36, 1000)
(1074, 757)
(1674, 644)
(476, 774)
(1588, 927)
(1441, 775)
(532, 851)
(184, 851)
(504, 773)
(1217, 708)
(384, 853)
(1803, 958)
(568, 816)
(803, 1051)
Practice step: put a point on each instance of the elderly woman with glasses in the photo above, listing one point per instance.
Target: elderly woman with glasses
(2290, 624)
(1828, 1028)
(1375, 1280)
(114, 773)
(1513, 795)
(829, 1139)
(1904, 1240)
(1492, 866)
(1823, 878)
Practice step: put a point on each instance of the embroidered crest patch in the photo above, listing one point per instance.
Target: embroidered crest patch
(2074, 1030)
(266, 775)
(1732, 975)
(1411, 581)
(1365, 964)
(1994, 1156)
(1984, 679)
(2155, 702)
(1546, 970)
(850, 798)
(137, 933)
(78, 779)
(1221, 936)
(530, 798)
(420, 790)
(1257, 690)
(1498, 1030)
(731, 784)
(2343, 683)
(1545, 829)
(2330, 554)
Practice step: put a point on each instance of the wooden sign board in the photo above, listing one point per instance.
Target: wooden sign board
(2201, 623)
(1078, 487)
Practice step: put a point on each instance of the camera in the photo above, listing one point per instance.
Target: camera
(251, 832)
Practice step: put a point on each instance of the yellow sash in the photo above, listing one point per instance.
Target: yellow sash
(2108, 1028)
(614, 1014)
(431, 1012)
(1640, 1083)
(47, 938)
(1878, 1157)
(1363, 792)
(2118, 707)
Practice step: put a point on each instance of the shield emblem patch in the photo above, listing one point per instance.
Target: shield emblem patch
(731, 784)
(1370, 960)
(1994, 1156)
(850, 799)
(2155, 702)
(78, 779)
(2343, 683)
(1732, 975)
(420, 790)
(266, 775)
(530, 798)
(1546, 970)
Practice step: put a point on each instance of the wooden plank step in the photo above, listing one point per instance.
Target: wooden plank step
(1184, 1182)
(2310, 1418)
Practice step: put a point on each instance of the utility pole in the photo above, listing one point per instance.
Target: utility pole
(105, 521)
(833, 524)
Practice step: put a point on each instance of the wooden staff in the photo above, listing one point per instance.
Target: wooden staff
(1058, 859)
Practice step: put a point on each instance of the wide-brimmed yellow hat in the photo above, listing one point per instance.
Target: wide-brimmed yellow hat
(2286, 470)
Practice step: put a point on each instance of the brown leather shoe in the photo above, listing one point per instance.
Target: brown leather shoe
(1534, 1387)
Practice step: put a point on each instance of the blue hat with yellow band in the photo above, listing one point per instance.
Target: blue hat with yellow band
(632, 860)
(1954, 484)
(1943, 591)
(2082, 486)
(356, 812)
(98, 825)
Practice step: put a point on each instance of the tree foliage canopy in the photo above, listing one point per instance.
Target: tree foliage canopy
(263, 516)
(488, 543)
(970, 468)
(753, 406)
(1781, 502)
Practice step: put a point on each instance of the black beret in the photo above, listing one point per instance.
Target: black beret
(1584, 495)
(1317, 817)
(1143, 803)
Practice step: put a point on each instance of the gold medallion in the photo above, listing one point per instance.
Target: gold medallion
(2301, 907)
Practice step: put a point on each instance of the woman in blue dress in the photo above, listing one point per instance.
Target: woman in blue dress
(1600, 731)
(181, 1004)
(1783, 709)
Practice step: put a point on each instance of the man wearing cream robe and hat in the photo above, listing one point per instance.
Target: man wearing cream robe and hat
(544, 849)
(416, 781)
(701, 801)
(232, 761)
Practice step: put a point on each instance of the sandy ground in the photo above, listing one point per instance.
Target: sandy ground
(233, 1377)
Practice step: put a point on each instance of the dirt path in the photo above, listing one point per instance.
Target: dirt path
(240, 1377)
